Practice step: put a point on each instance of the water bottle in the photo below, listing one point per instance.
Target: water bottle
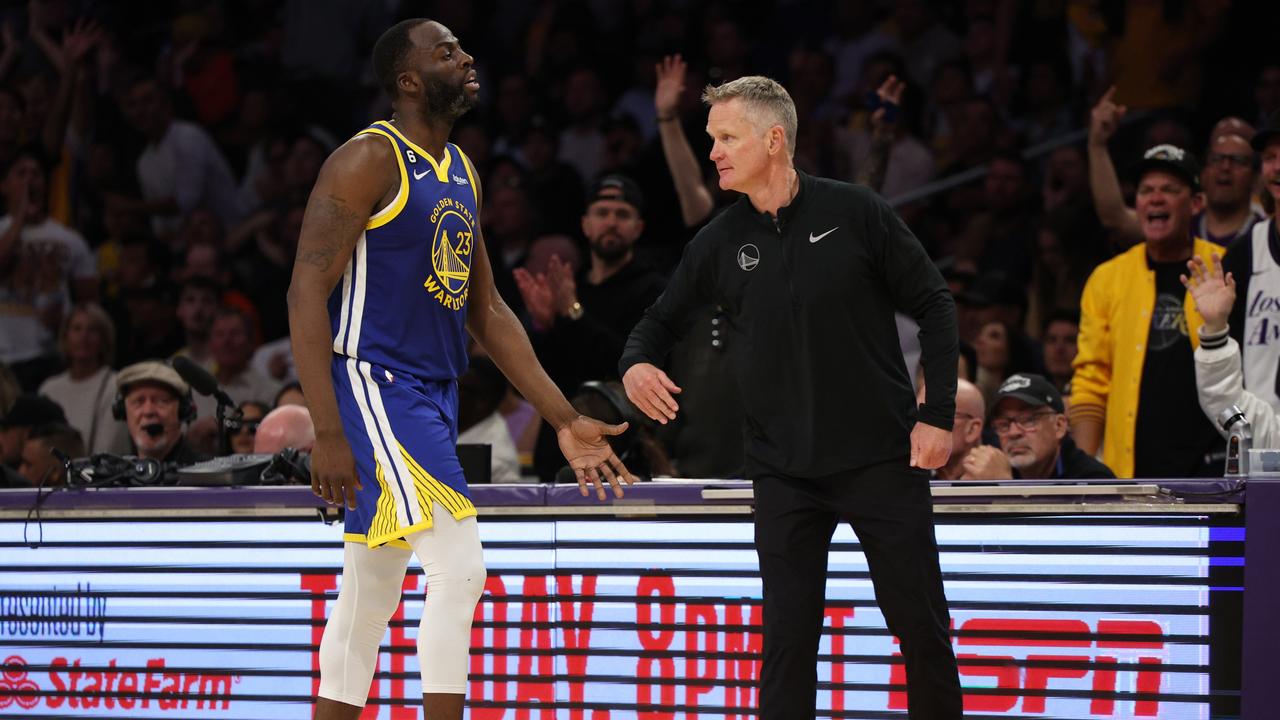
(1239, 441)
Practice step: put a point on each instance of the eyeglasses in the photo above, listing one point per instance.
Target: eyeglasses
(1027, 422)
(1240, 161)
(249, 426)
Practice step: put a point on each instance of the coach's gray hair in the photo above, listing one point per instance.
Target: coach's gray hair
(765, 98)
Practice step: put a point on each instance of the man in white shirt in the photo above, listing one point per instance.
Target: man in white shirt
(180, 169)
(43, 265)
(480, 392)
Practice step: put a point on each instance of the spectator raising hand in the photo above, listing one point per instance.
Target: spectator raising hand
(695, 200)
(884, 124)
(1220, 380)
(1105, 118)
(1103, 181)
(666, 96)
(1213, 292)
(890, 93)
(78, 40)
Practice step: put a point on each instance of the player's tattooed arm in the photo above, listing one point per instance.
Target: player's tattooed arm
(354, 182)
(336, 221)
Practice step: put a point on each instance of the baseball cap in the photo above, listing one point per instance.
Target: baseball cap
(1173, 159)
(151, 371)
(1031, 389)
(617, 187)
(1268, 132)
(31, 410)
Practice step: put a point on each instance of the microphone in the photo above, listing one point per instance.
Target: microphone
(206, 384)
(201, 380)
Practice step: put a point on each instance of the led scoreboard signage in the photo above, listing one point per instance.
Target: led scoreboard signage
(605, 618)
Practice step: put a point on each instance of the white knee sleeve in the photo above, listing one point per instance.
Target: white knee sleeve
(371, 585)
(450, 554)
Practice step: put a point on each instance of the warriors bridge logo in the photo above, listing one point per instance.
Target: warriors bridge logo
(451, 253)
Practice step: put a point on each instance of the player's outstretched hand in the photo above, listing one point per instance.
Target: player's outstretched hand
(333, 471)
(585, 444)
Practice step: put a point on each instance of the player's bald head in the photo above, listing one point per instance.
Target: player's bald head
(286, 426)
(969, 399)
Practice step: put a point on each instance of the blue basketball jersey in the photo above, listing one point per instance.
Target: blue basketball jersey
(403, 299)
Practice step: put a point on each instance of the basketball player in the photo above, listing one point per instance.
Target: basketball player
(391, 274)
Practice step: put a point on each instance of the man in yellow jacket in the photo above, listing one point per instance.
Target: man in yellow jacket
(1134, 390)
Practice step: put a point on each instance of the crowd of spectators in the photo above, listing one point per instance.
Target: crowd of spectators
(157, 160)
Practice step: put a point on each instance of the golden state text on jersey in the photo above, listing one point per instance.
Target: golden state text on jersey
(403, 298)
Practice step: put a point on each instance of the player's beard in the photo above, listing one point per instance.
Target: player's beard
(445, 100)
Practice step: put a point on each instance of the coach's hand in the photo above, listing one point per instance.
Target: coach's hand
(649, 389)
(585, 444)
(333, 471)
(930, 446)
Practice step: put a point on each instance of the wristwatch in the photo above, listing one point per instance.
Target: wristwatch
(575, 311)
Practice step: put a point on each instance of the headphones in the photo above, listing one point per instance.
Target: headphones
(186, 407)
(624, 409)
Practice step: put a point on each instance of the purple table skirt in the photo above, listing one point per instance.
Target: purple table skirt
(656, 493)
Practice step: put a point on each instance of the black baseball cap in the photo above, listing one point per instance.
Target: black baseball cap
(617, 187)
(1172, 159)
(1031, 389)
(1267, 133)
(31, 410)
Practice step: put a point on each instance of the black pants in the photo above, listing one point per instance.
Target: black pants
(889, 507)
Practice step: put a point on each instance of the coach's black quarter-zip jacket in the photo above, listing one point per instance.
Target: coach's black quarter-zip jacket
(810, 298)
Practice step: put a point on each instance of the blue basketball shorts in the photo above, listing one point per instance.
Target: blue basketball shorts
(403, 433)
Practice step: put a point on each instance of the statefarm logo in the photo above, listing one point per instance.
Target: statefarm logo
(15, 687)
(109, 687)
